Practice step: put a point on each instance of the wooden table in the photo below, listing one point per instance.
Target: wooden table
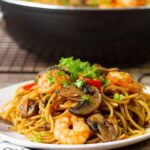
(12, 71)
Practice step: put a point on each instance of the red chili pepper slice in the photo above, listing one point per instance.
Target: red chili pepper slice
(29, 86)
(93, 82)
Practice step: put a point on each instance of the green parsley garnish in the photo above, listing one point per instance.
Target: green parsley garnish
(64, 82)
(118, 96)
(76, 67)
(73, 76)
(90, 74)
(64, 2)
(37, 137)
(59, 73)
(86, 99)
(50, 79)
(107, 82)
(78, 83)
(36, 80)
(103, 81)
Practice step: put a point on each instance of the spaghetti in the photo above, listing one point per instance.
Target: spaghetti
(78, 103)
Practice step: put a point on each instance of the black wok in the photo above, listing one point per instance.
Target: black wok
(108, 36)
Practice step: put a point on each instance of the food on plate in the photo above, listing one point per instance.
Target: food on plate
(75, 102)
(96, 3)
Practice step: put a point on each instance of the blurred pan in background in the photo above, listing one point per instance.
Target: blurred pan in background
(108, 36)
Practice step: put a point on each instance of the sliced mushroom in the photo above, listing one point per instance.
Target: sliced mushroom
(100, 125)
(105, 70)
(84, 108)
(71, 92)
(28, 108)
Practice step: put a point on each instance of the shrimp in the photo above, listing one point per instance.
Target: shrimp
(43, 84)
(123, 79)
(71, 130)
(46, 87)
(131, 3)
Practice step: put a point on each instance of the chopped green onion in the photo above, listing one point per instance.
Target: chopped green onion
(73, 76)
(79, 83)
(50, 79)
(107, 82)
(121, 97)
(59, 73)
(36, 80)
(103, 81)
(118, 96)
(64, 2)
(90, 74)
(64, 82)
(86, 99)
(37, 137)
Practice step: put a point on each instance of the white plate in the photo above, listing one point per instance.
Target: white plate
(7, 93)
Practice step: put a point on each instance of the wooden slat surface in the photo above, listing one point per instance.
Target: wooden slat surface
(15, 59)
